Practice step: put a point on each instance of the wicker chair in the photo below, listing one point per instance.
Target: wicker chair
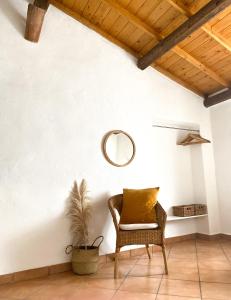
(137, 237)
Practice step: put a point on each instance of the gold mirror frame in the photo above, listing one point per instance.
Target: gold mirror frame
(104, 143)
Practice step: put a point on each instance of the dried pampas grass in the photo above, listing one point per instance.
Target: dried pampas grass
(79, 213)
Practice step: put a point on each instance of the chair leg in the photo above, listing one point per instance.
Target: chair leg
(116, 262)
(147, 248)
(165, 260)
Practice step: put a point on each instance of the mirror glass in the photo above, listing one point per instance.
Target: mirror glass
(118, 148)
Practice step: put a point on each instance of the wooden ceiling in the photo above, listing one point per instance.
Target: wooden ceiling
(201, 62)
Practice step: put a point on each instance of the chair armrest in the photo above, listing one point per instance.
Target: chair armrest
(161, 216)
(115, 215)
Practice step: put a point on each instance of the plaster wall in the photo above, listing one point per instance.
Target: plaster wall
(221, 126)
(57, 100)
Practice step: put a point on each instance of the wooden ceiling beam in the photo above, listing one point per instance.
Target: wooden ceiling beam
(35, 16)
(192, 24)
(159, 36)
(217, 98)
(206, 28)
(42, 4)
(114, 40)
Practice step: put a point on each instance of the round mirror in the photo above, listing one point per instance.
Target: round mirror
(118, 148)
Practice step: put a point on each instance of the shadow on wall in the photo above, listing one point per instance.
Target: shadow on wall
(13, 15)
(101, 222)
(40, 246)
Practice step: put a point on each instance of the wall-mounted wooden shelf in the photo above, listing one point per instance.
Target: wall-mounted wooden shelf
(175, 218)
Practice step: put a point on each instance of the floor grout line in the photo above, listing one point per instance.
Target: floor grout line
(157, 293)
(198, 269)
(227, 257)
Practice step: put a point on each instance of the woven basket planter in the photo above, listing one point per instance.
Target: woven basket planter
(85, 259)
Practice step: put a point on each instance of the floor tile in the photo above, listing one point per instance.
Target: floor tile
(218, 291)
(169, 297)
(179, 254)
(180, 288)
(204, 255)
(215, 276)
(62, 278)
(105, 282)
(53, 292)
(142, 271)
(181, 262)
(214, 264)
(71, 292)
(19, 290)
(154, 261)
(124, 295)
(109, 269)
(175, 272)
(141, 284)
(93, 294)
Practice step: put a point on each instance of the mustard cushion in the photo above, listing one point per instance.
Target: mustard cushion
(139, 206)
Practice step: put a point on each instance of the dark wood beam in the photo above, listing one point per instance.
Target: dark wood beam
(217, 98)
(35, 16)
(42, 4)
(209, 11)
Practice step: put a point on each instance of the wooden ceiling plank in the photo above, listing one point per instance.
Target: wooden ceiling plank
(126, 33)
(206, 28)
(91, 8)
(219, 26)
(210, 53)
(79, 5)
(135, 5)
(69, 3)
(201, 66)
(147, 8)
(171, 20)
(157, 14)
(132, 18)
(118, 26)
(100, 14)
(141, 41)
(173, 25)
(226, 32)
(191, 25)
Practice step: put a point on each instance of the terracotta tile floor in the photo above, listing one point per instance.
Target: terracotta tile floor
(197, 270)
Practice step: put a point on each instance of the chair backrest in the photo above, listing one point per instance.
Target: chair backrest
(115, 202)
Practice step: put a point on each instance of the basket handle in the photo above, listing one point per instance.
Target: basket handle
(99, 237)
(69, 249)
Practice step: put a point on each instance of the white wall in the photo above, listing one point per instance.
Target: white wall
(57, 100)
(221, 125)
